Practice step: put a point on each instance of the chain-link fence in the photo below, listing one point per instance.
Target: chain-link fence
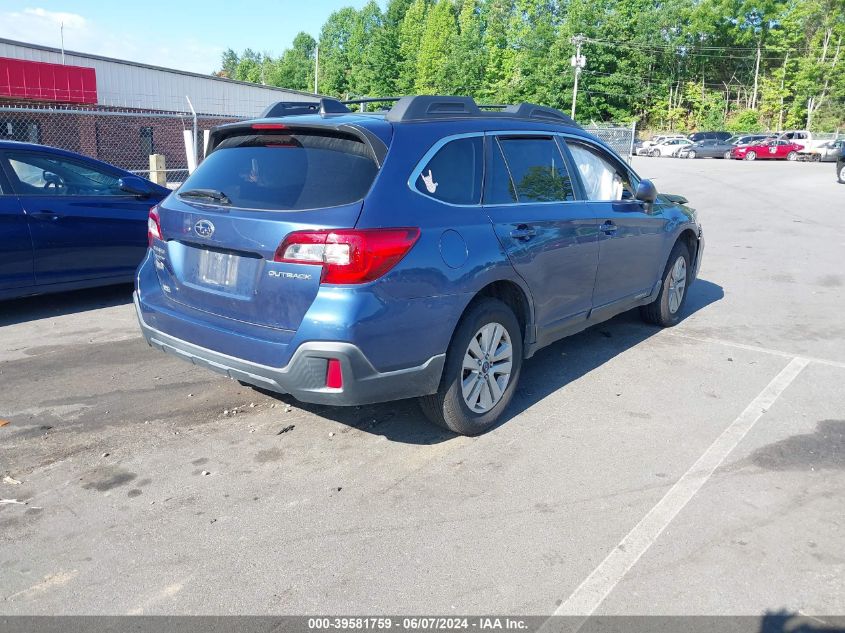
(125, 139)
(619, 137)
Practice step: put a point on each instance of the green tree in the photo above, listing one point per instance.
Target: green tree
(436, 46)
(411, 32)
(363, 67)
(335, 52)
(385, 52)
(467, 61)
(295, 68)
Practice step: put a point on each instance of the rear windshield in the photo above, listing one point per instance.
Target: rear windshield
(291, 171)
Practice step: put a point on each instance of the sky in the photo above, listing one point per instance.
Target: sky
(182, 34)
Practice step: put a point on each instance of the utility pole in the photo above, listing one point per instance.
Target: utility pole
(62, 35)
(811, 104)
(756, 77)
(578, 62)
(316, 67)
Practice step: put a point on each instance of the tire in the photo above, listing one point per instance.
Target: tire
(691, 154)
(751, 156)
(793, 156)
(655, 153)
(448, 407)
(666, 309)
(727, 155)
(841, 174)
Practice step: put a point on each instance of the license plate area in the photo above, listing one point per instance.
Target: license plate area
(218, 269)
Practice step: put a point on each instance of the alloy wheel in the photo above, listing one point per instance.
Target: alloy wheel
(486, 368)
(677, 284)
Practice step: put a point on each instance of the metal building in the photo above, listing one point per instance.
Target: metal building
(129, 85)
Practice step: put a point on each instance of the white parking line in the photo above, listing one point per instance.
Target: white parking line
(596, 587)
(756, 348)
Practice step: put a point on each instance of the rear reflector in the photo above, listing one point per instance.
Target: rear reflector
(334, 375)
(153, 226)
(348, 256)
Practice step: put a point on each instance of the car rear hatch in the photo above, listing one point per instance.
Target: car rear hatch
(220, 231)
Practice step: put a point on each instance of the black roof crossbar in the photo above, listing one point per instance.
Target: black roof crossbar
(370, 100)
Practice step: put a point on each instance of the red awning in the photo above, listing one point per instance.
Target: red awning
(40, 81)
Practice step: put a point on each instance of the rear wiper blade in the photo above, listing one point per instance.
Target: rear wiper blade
(211, 194)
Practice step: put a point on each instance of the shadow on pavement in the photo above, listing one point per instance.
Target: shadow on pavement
(551, 369)
(13, 311)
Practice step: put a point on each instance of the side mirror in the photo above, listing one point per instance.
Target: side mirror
(646, 192)
(136, 186)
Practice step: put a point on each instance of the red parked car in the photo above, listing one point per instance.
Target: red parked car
(777, 150)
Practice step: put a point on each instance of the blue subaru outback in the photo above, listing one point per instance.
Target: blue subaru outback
(348, 258)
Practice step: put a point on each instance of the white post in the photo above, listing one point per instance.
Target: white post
(194, 113)
(190, 150)
(206, 137)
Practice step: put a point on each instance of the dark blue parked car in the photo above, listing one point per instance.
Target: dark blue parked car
(351, 258)
(68, 221)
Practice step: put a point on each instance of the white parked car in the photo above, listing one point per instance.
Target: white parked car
(655, 140)
(669, 147)
(827, 152)
(803, 137)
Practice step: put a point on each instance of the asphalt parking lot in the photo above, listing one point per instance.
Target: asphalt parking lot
(698, 470)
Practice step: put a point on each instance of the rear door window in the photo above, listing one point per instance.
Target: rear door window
(536, 170)
(602, 178)
(455, 172)
(287, 171)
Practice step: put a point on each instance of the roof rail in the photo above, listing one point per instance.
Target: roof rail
(424, 107)
(287, 108)
(420, 108)
(324, 106)
(534, 111)
(332, 106)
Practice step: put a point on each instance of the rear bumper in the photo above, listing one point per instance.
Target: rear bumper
(304, 377)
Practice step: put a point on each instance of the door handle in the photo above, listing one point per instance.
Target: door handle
(45, 214)
(608, 228)
(523, 232)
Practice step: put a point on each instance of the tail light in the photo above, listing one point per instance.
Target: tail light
(153, 226)
(348, 256)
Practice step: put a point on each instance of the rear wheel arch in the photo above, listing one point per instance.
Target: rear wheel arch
(512, 295)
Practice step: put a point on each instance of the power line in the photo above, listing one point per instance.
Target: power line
(690, 51)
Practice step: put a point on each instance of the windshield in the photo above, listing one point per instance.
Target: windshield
(290, 171)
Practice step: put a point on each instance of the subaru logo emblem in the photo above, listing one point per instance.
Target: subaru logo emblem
(204, 228)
